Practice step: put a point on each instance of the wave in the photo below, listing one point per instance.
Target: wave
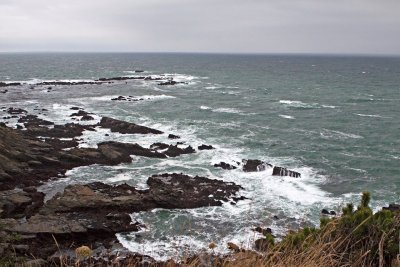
(332, 134)
(303, 105)
(286, 117)
(371, 115)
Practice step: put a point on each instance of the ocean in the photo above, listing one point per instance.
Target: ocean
(334, 119)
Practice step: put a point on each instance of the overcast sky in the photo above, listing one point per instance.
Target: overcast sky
(231, 26)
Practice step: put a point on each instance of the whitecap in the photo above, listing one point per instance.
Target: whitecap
(286, 116)
(371, 115)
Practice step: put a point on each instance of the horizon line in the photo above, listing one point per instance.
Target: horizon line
(205, 53)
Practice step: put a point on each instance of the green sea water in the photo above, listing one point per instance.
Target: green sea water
(334, 119)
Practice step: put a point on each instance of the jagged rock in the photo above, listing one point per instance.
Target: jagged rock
(225, 166)
(16, 111)
(255, 165)
(126, 127)
(18, 204)
(174, 151)
(280, 171)
(233, 246)
(172, 136)
(205, 147)
(159, 146)
(87, 118)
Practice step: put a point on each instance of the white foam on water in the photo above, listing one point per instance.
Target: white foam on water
(205, 108)
(371, 115)
(332, 134)
(286, 117)
(228, 110)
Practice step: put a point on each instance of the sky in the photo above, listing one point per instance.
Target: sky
(217, 26)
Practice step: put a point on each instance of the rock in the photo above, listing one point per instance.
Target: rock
(225, 166)
(159, 146)
(233, 246)
(392, 207)
(16, 111)
(255, 165)
(18, 204)
(126, 127)
(75, 108)
(174, 151)
(79, 113)
(280, 171)
(263, 231)
(325, 212)
(139, 71)
(172, 136)
(205, 147)
(332, 212)
(87, 118)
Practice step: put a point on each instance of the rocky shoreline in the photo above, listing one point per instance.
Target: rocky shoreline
(37, 150)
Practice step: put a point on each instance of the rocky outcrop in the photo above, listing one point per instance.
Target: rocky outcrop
(225, 166)
(94, 212)
(175, 151)
(255, 165)
(205, 147)
(280, 171)
(126, 127)
(172, 136)
(19, 203)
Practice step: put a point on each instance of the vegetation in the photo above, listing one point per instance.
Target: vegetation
(356, 238)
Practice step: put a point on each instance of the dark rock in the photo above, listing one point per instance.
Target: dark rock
(3, 84)
(276, 217)
(19, 204)
(126, 127)
(87, 118)
(205, 147)
(280, 171)
(159, 146)
(172, 136)
(255, 165)
(325, 212)
(225, 166)
(79, 113)
(174, 151)
(263, 231)
(392, 207)
(75, 108)
(16, 111)
(332, 212)
(139, 71)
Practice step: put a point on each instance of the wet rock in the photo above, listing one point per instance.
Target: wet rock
(16, 111)
(80, 113)
(255, 165)
(205, 147)
(87, 118)
(183, 191)
(326, 212)
(225, 166)
(3, 84)
(159, 146)
(280, 171)
(3, 91)
(263, 231)
(75, 108)
(126, 127)
(172, 136)
(175, 151)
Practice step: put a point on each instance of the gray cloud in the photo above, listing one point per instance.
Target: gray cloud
(269, 26)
